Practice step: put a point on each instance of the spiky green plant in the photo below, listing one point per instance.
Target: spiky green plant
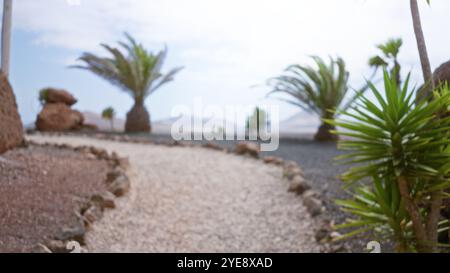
(136, 71)
(405, 149)
(109, 114)
(390, 50)
(320, 90)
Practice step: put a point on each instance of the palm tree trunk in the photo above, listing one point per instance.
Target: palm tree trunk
(6, 35)
(324, 133)
(138, 119)
(421, 45)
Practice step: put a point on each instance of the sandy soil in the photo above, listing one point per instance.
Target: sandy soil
(199, 200)
(40, 189)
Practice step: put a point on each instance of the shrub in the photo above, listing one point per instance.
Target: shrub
(404, 149)
(43, 96)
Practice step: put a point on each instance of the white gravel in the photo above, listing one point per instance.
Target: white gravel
(198, 200)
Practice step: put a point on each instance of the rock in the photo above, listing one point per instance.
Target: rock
(321, 235)
(73, 234)
(311, 193)
(335, 235)
(104, 200)
(58, 117)
(337, 248)
(100, 153)
(120, 186)
(213, 146)
(59, 96)
(292, 171)
(313, 205)
(273, 160)
(11, 128)
(92, 214)
(290, 164)
(57, 246)
(123, 162)
(298, 185)
(442, 74)
(40, 248)
(114, 174)
(249, 148)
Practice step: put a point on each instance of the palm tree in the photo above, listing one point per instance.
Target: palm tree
(257, 123)
(109, 114)
(6, 35)
(320, 90)
(421, 45)
(136, 71)
(390, 51)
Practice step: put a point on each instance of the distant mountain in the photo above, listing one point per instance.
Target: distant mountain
(163, 126)
(102, 124)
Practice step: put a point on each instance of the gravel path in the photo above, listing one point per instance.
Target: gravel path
(199, 200)
(320, 169)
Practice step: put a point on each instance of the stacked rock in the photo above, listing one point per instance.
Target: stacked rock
(57, 115)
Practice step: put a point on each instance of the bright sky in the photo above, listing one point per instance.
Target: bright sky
(227, 46)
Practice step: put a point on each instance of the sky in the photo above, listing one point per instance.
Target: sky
(229, 48)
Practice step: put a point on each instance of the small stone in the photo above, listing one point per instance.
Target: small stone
(73, 234)
(57, 246)
(122, 162)
(273, 160)
(291, 172)
(337, 248)
(40, 248)
(249, 148)
(104, 200)
(212, 146)
(335, 235)
(298, 185)
(90, 156)
(290, 164)
(99, 153)
(93, 214)
(321, 234)
(311, 193)
(120, 186)
(313, 205)
(114, 174)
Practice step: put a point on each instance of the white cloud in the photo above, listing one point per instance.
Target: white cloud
(228, 45)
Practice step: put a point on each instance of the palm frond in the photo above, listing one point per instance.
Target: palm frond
(133, 69)
(321, 89)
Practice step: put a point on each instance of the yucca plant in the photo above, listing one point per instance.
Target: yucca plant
(109, 114)
(404, 149)
(136, 71)
(320, 90)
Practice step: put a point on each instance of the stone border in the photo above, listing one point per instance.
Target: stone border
(292, 172)
(90, 210)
